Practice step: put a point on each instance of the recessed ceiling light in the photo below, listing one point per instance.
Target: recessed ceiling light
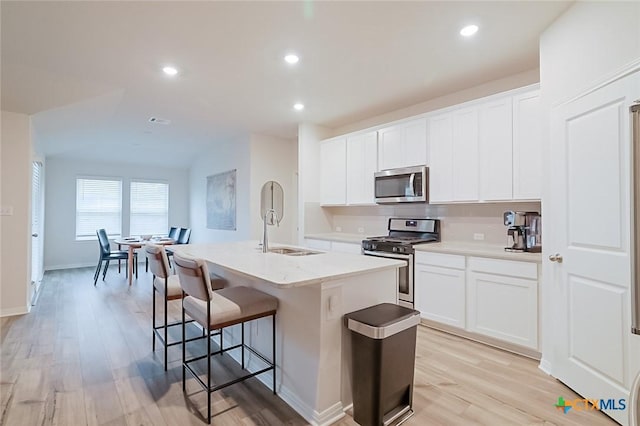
(298, 106)
(170, 71)
(291, 58)
(469, 30)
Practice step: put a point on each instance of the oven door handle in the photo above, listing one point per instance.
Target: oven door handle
(385, 254)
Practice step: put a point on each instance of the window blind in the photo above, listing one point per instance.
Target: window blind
(149, 208)
(98, 205)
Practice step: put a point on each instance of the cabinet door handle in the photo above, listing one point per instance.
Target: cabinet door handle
(556, 258)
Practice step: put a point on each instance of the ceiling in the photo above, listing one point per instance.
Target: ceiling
(90, 72)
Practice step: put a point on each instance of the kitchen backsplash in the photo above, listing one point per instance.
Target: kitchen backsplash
(460, 222)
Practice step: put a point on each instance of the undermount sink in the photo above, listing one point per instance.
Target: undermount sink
(293, 251)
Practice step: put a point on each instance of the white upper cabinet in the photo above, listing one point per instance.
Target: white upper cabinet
(362, 163)
(333, 171)
(441, 158)
(465, 155)
(527, 146)
(496, 151)
(453, 154)
(484, 150)
(403, 145)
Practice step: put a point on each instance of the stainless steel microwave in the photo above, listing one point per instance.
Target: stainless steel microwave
(406, 185)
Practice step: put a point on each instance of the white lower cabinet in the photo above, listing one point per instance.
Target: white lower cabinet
(491, 297)
(502, 300)
(440, 287)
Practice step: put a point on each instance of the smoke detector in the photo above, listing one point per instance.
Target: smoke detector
(157, 120)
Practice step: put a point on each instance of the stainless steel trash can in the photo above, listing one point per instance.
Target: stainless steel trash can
(383, 350)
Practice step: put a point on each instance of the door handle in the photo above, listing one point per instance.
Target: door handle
(411, 187)
(556, 258)
(34, 235)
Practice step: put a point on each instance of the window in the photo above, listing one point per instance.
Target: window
(98, 205)
(149, 208)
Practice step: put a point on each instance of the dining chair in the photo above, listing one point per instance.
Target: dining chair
(173, 234)
(184, 235)
(107, 255)
(214, 310)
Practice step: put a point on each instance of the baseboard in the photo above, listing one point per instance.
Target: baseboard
(81, 265)
(487, 340)
(545, 366)
(9, 312)
(70, 266)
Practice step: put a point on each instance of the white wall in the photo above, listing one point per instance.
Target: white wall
(225, 156)
(311, 217)
(274, 159)
(61, 249)
(15, 229)
(590, 41)
(459, 222)
(512, 82)
(257, 159)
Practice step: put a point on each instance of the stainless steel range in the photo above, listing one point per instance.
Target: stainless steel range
(403, 235)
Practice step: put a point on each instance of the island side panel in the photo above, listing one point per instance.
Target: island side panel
(298, 324)
(313, 346)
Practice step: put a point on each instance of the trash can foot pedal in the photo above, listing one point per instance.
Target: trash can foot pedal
(397, 416)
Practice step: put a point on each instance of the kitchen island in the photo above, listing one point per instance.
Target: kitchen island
(314, 292)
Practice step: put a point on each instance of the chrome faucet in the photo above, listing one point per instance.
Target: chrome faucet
(273, 218)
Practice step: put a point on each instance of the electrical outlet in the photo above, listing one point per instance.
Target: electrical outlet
(361, 230)
(478, 236)
(338, 228)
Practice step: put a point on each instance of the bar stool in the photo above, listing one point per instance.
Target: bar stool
(216, 310)
(169, 287)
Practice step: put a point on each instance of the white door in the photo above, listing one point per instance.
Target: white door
(36, 230)
(589, 218)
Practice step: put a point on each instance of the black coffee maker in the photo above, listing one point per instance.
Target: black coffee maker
(524, 232)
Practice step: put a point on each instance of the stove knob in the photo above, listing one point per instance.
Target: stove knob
(373, 247)
(395, 249)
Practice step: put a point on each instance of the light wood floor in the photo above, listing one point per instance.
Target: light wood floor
(83, 356)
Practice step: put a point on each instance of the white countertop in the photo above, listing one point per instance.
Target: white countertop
(285, 271)
(463, 248)
(338, 236)
(495, 251)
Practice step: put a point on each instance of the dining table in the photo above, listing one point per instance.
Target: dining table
(134, 243)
